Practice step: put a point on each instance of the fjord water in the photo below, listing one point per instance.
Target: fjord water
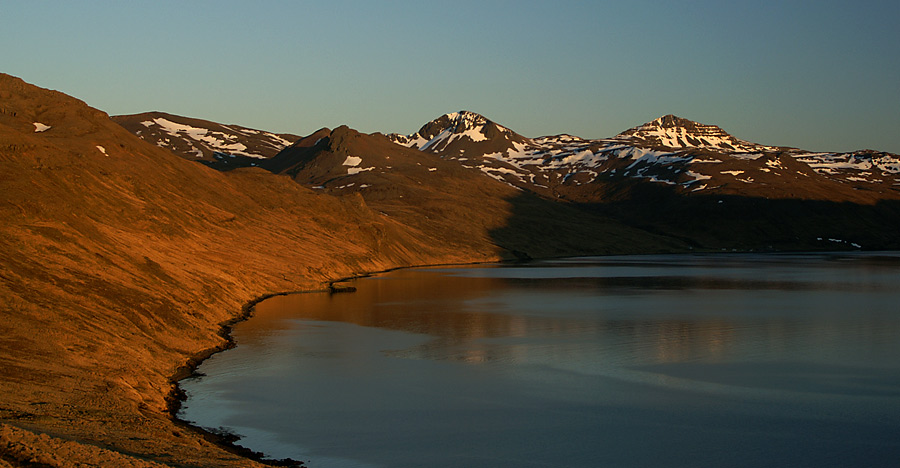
(681, 360)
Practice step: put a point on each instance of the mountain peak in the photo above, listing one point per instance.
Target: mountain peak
(671, 131)
(672, 121)
(463, 122)
(457, 131)
(466, 116)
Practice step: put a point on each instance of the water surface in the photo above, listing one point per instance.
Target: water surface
(682, 360)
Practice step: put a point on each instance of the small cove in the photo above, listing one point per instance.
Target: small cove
(681, 360)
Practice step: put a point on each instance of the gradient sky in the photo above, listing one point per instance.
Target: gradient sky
(819, 75)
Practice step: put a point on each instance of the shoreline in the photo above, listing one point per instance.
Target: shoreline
(176, 396)
(229, 442)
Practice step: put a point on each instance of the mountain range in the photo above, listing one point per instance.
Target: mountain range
(692, 182)
(693, 158)
(128, 242)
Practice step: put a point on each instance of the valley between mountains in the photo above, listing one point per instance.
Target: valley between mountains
(127, 241)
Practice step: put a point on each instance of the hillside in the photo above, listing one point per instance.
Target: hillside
(119, 262)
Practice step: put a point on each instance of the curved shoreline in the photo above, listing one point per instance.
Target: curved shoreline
(177, 396)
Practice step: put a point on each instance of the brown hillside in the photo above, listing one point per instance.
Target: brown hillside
(118, 260)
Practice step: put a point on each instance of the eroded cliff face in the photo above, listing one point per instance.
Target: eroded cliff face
(118, 262)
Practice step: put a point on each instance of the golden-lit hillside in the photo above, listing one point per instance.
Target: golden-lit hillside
(119, 261)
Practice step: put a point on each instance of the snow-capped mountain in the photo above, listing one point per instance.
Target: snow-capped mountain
(459, 132)
(215, 144)
(672, 132)
(690, 157)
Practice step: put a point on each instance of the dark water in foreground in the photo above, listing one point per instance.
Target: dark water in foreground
(715, 360)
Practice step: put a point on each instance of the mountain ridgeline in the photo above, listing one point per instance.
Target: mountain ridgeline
(693, 184)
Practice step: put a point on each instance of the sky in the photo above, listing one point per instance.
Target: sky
(819, 75)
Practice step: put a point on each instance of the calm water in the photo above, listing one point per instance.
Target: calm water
(702, 360)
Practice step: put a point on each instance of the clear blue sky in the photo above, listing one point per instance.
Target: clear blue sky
(820, 75)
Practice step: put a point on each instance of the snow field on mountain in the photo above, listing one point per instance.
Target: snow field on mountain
(217, 141)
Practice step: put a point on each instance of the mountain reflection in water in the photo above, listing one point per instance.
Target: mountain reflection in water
(730, 360)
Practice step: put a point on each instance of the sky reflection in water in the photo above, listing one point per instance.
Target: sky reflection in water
(728, 360)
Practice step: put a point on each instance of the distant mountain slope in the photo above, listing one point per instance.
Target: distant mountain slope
(218, 145)
(691, 157)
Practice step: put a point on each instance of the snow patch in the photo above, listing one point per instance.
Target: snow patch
(357, 170)
(696, 176)
(751, 156)
(352, 161)
(39, 127)
(102, 150)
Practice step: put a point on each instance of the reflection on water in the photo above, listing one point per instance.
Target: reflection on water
(691, 360)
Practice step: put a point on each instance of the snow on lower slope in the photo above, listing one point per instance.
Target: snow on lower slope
(831, 163)
(352, 163)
